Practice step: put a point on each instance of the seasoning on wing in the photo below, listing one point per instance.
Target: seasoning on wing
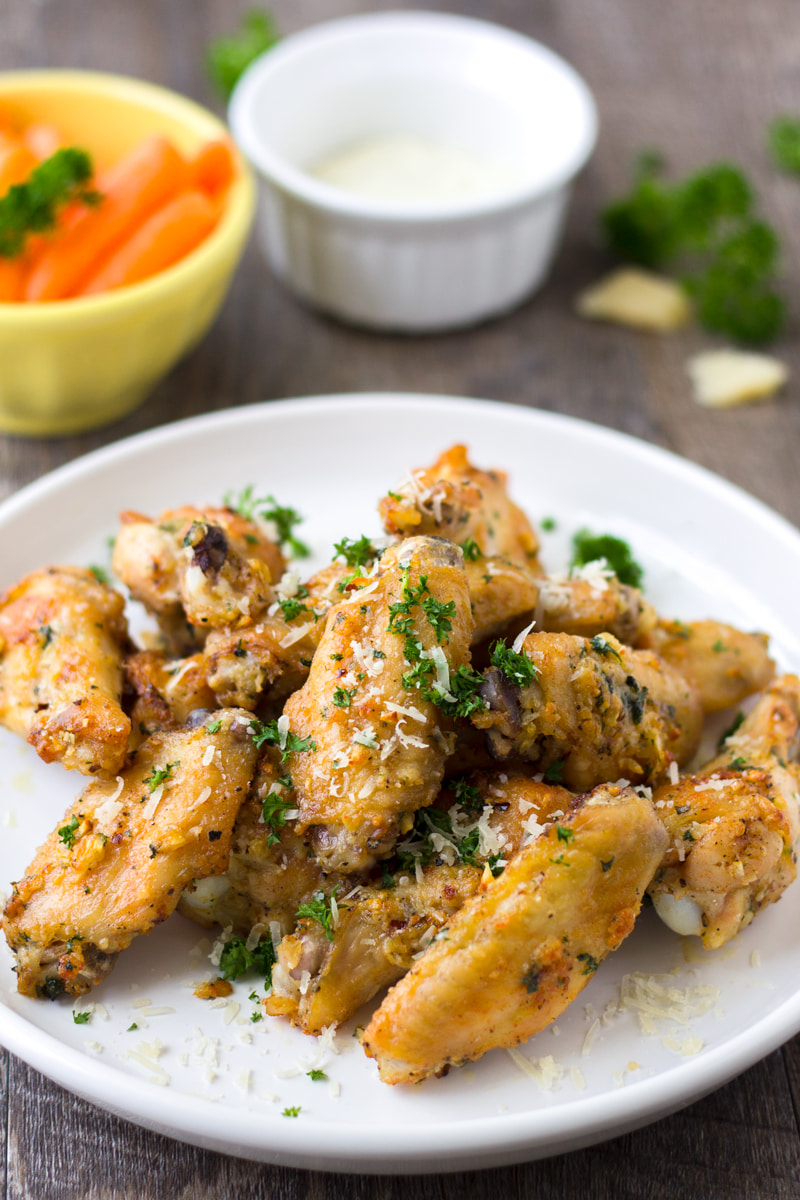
(595, 708)
(733, 825)
(117, 864)
(512, 959)
(376, 701)
(62, 638)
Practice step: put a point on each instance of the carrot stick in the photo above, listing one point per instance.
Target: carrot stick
(214, 168)
(136, 187)
(16, 162)
(12, 275)
(166, 237)
(42, 139)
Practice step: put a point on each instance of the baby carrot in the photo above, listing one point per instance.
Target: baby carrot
(167, 236)
(213, 169)
(12, 275)
(137, 186)
(16, 161)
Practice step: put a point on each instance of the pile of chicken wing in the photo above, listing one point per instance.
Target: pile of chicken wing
(429, 767)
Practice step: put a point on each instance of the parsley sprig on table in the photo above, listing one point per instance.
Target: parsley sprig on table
(35, 205)
(229, 57)
(706, 228)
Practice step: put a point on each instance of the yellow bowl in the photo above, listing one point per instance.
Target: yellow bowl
(71, 365)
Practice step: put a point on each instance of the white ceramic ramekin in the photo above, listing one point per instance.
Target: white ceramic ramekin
(454, 80)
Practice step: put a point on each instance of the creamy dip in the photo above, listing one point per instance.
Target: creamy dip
(413, 170)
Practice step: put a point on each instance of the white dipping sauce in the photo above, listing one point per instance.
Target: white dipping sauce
(412, 170)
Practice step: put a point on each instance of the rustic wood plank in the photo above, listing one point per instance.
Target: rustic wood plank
(699, 82)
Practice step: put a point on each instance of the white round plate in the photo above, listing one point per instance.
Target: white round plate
(217, 1079)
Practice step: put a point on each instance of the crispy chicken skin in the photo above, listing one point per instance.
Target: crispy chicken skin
(322, 980)
(380, 746)
(62, 638)
(197, 569)
(517, 953)
(723, 664)
(116, 865)
(733, 826)
(271, 871)
(606, 711)
(585, 607)
(165, 691)
(455, 500)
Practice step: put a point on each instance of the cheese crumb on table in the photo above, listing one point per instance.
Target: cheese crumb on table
(724, 378)
(638, 299)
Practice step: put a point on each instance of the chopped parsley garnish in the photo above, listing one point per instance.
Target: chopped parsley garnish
(236, 960)
(738, 763)
(607, 863)
(514, 664)
(228, 58)
(266, 733)
(356, 553)
(419, 845)
(440, 614)
(213, 726)
(496, 864)
(81, 1018)
(343, 697)
(589, 547)
(466, 794)
(530, 980)
(316, 1074)
(294, 1111)
(255, 1016)
(160, 775)
(132, 1027)
(100, 573)
(320, 909)
(555, 772)
(68, 833)
(274, 809)
(602, 645)
(564, 835)
(548, 524)
(465, 685)
(471, 550)
(267, 509)
(705, 226)
(34, 205)
(292, 607)
(590, 964)
(719, 646)
(46, 633)
(400, 619)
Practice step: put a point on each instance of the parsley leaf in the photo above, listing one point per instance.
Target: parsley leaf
(160, 775)
(81, 1018)
(236, 960)
(355, 553)
(471, 550)
(589, 547)
(228, 58)
(343, 697)
(266, 733)
(267, 509)
(68, 833)
(440, 614)
(34, 206)
(515, 665)
(320, 908)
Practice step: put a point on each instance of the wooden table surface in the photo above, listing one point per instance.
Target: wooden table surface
(699, 81)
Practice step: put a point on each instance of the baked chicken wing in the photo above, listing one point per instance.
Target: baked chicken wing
(733, 826)
(62, 638)
(372, 704)
(599, 709)
(723, 664)
(520, 950)
(117, 864)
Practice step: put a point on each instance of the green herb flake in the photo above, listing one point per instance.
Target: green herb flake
(607, 864)
(356, 553)
(731, 730)
(514, 665)
(784, 143)
(81, 1018)
(34, 205)
(555, 772)
(316, 1074)
(590, 964)
(294, 1111)
(266, 733)
(100, 573)
(564, 835)
(548, 524)
(343, 697)
(68, 833)
(471, 550)
(590, 547)
(236, 960)
(213, 726)
(530, 980)
(160, 775)
(132, 1027)
(229, 57)
(267, 508)
(602, 645)
(320, 909)
(440, 614)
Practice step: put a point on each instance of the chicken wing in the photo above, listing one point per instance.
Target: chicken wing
(455, 500)
(116, 866)
(372, 704)
(733, 826)
(62, 637)
(723, 664)
(197, 569)
(597, 708)
(517, 953)
(325, 973)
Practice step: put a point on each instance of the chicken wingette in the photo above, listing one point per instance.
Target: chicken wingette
(376, 703)
(596, 708)
(517, 953)
(197, 569)
(117, 864)
(733, 826)
(62, 639)
(326, 970)
(455, 500)
(724, 665)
